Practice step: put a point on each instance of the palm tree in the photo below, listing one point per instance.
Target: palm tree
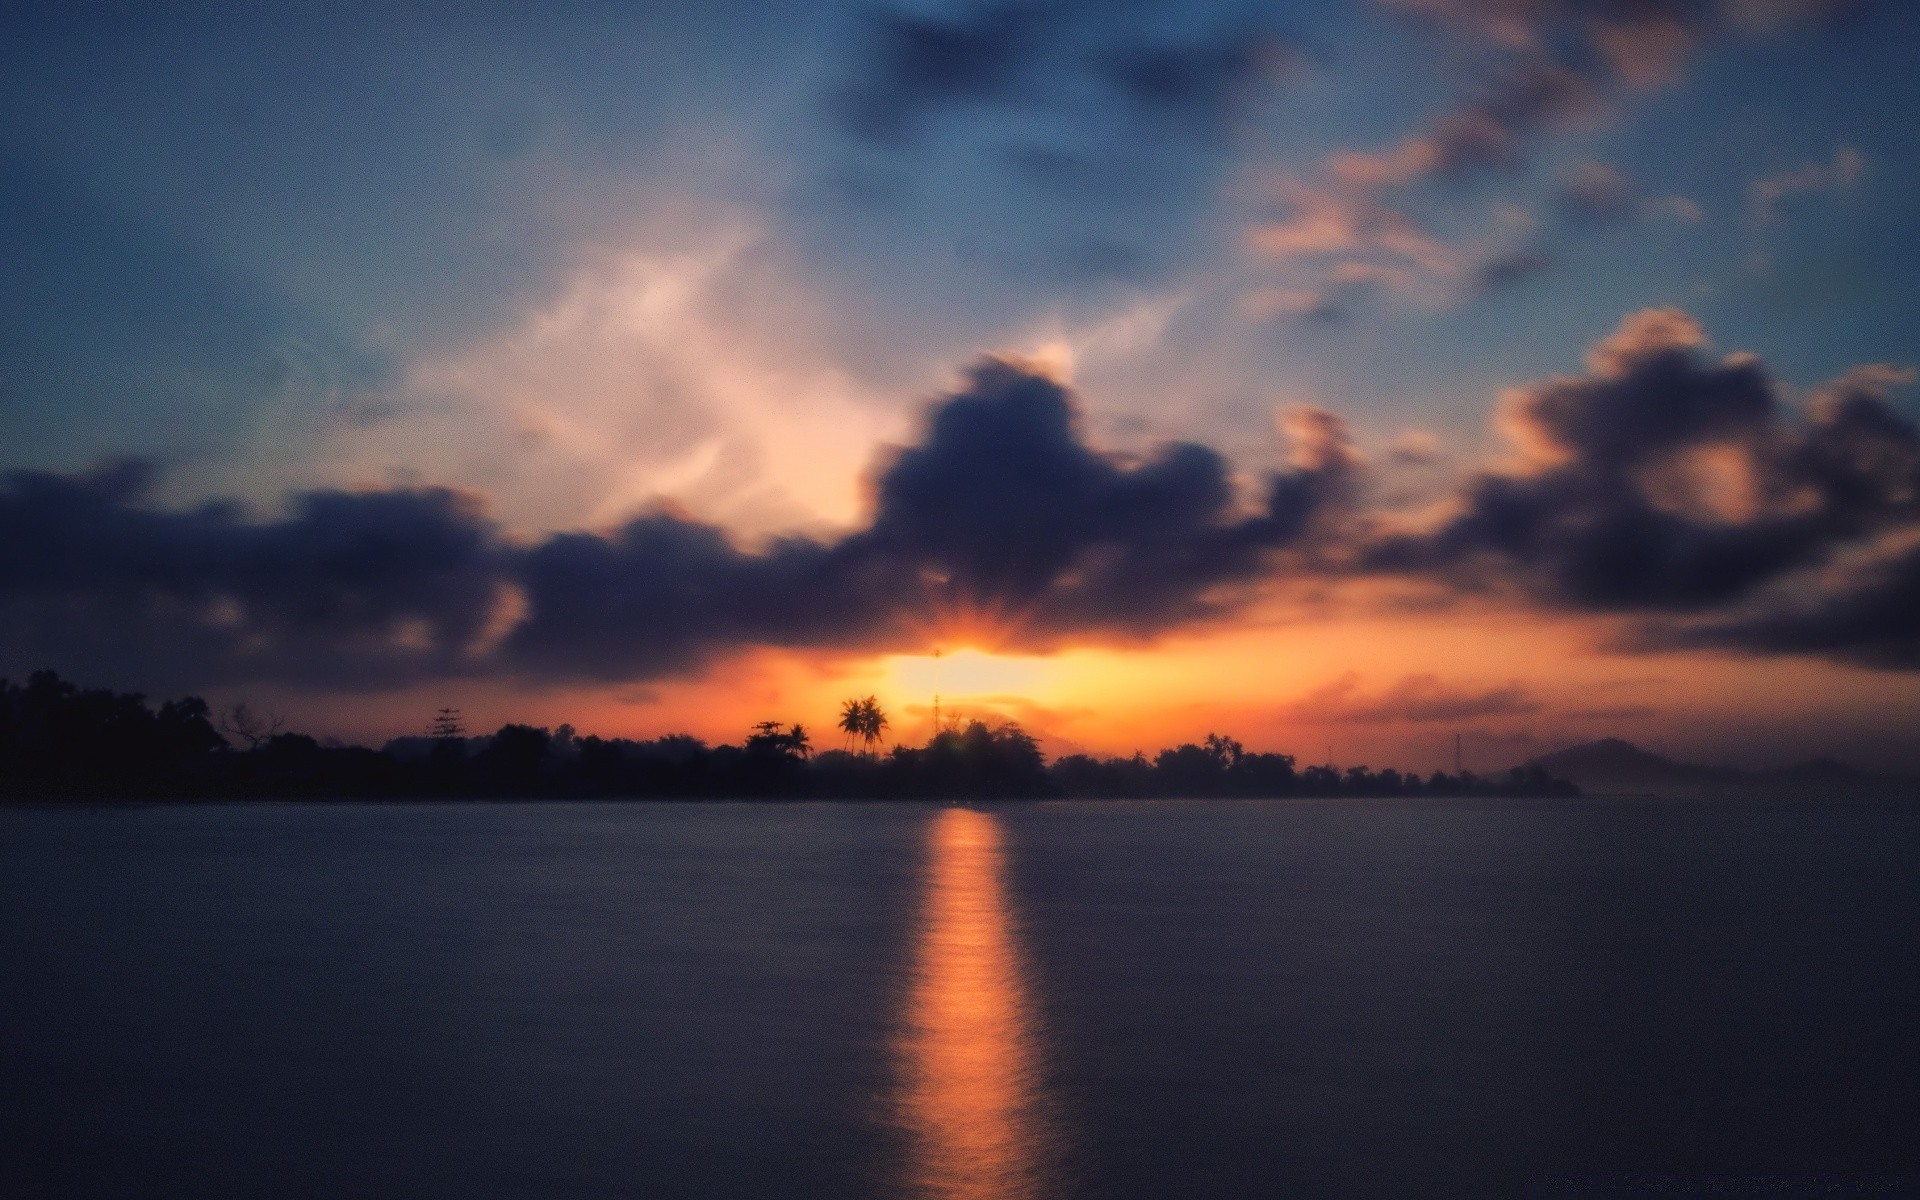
(853, 720)
(873, 722)
(862, 718)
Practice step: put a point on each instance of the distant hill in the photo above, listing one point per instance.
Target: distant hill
(1611, 765)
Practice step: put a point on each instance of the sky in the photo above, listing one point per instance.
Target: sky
(1342, 376)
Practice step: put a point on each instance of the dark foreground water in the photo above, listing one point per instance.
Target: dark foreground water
(1314, 999)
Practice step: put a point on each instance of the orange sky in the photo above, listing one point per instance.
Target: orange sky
(1385, 689)
(509, 376)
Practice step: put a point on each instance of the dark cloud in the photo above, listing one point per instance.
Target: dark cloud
(663, 593)
(912, 66)
(1008, 510)
(907, 67)
(1116, 116)
(1507, 270)
(1663, 482)
(1871, 617)
(1001, 523)
(1197, 81)
(346, 587)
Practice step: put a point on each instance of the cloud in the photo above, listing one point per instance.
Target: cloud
(373, 588)
(1765, 195)
(1351, 213)
(1597, 192)
(1486, 131)
(1002, 524)
(1510, 269)
(1349, 242)
(686, 362)
(1415, 448)
(1040, 143)
(1566, 62)
(1015, 518)
(1304, 304)
(1198, 81)
(1663, 482)
(1542, 67)
(1414, 699)
(909, 68)
(1871, 616)
(1646, 41)
(1866, 609)
(913, 66)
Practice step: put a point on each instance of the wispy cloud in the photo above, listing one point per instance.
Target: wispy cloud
(1413, 699)
(1765, 195)
(1557, 67)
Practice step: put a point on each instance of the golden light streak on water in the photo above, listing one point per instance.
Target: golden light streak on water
(971, 1098)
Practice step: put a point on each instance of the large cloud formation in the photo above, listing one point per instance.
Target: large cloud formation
(1662, 482)
(1002, 522)
(384, 585)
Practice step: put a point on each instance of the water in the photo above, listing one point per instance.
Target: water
(1317, 999)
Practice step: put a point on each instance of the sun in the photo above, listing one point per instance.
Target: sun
(966, 672)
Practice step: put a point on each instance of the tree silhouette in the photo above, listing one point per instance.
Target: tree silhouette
(774, 743)
(514, 756)
(874, 723)
(58, 740)
(853, 719)
(863, 718)
(242, 722)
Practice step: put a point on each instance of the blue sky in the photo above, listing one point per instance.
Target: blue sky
(586, 262)
(209, 219)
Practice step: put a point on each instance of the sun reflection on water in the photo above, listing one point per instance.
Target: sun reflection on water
(971, 1100)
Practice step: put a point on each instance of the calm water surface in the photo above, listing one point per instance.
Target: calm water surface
(1314, 999)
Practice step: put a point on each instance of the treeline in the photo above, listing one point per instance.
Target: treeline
(58, 741)
(1221, 766)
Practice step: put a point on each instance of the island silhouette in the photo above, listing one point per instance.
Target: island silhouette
(1613, 766)
(59, 740)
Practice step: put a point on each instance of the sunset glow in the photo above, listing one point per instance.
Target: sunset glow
(1560, 390)
(972, 1102)
(970, 673)
(960, 599)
